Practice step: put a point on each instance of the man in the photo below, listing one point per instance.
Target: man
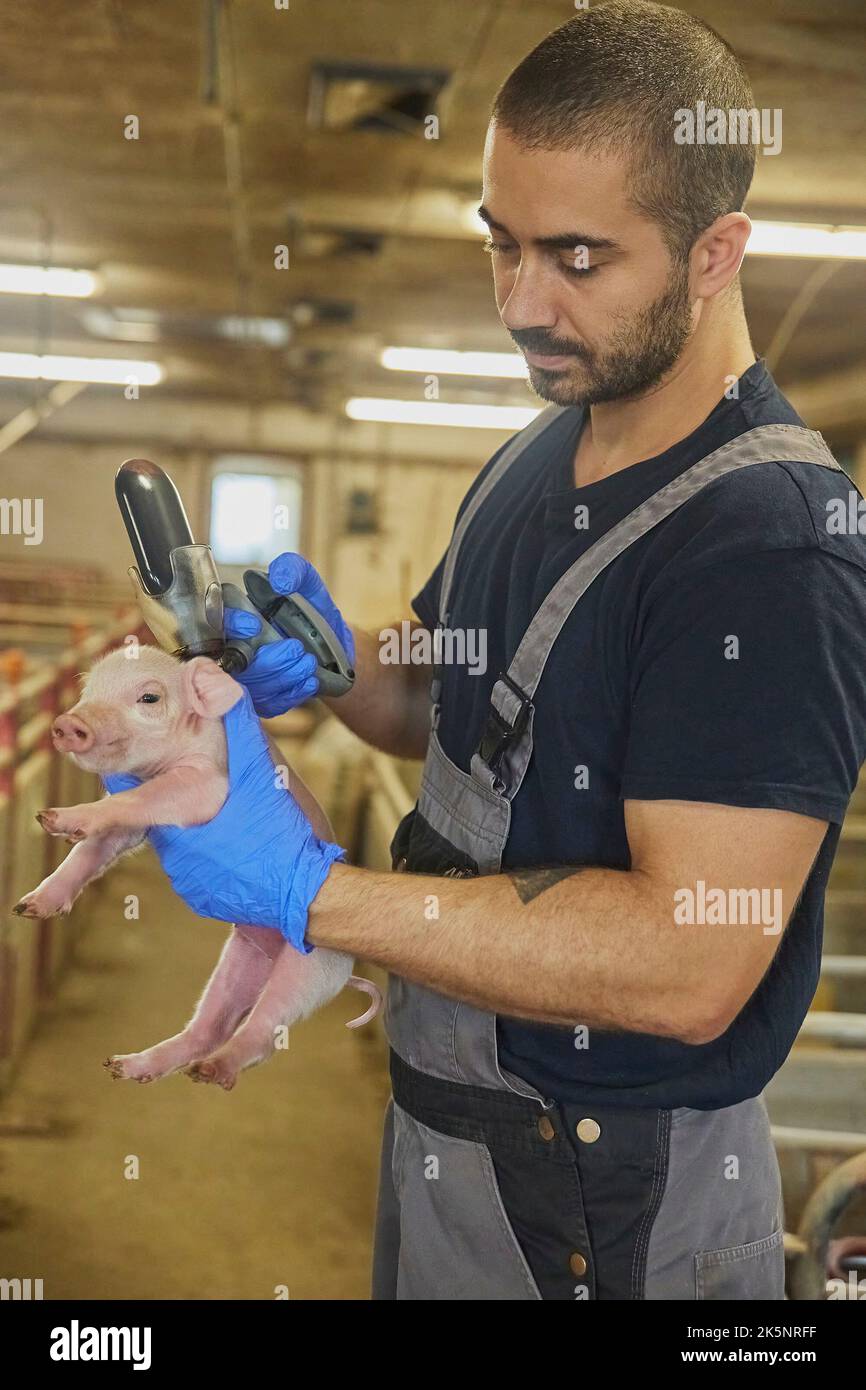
(607, 930)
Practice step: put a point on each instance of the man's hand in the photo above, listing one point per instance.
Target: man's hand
(258, 861)
(282, 675)
(603, 947)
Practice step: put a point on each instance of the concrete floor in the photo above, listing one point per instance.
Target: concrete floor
(271, 1184)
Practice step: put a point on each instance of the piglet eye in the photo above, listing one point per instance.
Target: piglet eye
(148, 699)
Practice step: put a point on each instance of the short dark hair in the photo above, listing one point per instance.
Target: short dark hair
(613, 77)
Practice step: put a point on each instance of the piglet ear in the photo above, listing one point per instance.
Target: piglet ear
(209, 690)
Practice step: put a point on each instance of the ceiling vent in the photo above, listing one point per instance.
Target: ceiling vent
(370, 97)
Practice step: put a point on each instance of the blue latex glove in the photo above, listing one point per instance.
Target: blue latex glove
(282, 675)
(259, 860)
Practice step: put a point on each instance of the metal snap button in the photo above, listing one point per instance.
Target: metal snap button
(577, 1264)
(588, 1131)
(545, 1128)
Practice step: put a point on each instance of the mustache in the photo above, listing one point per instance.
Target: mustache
(537, 340)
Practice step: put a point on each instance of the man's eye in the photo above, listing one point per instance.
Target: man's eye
(148, 699)
(579, 270)
(496, 248)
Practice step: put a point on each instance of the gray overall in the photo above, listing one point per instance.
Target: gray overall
(489, 1190)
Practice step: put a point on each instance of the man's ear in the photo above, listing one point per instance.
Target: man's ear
(208, 690)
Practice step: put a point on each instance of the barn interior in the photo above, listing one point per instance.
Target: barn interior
(260, 205)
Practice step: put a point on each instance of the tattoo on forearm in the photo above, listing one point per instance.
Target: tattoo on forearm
(528, 883)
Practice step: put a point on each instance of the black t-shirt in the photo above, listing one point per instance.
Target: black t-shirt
(642, 688)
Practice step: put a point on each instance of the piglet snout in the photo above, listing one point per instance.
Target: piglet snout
(70, 734)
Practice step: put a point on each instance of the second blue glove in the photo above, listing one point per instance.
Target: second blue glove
(282, 675)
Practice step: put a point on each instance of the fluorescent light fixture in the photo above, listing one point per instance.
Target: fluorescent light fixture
(273, 333)
(113, 371)
(804, 239)
(473, 417)
(37, 279)
(448, 363)
(112, 323)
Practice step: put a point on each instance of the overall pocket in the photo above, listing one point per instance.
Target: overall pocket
(743, 1272)
(418, 848)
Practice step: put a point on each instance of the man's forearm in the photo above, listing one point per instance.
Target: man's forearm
(563, 946)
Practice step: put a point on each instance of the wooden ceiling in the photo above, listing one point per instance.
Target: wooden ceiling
(181, 224)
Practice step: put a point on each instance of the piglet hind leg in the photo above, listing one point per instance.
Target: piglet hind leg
(298, 985)
(238, 980)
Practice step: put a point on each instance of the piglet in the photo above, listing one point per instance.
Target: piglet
(161, 720)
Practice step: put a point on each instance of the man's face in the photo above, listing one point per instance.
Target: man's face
(584, 282)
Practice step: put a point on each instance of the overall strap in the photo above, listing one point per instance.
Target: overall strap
(503, 753)
(513, 450)
(510, 454)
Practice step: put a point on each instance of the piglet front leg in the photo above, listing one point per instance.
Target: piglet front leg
(85, 862)
(180, 796)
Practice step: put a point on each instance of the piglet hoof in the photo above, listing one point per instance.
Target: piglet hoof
(57, 821)
(123, 1068)
(40, 904)
(213, 1071)
(27, 907)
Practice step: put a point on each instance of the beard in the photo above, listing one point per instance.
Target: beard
(636, 357)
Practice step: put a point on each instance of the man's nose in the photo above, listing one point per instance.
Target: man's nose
(70, 734)
(529, 300)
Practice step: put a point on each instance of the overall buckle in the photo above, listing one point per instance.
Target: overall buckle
(499, 734)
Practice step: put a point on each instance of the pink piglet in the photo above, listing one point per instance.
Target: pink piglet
(143, 712)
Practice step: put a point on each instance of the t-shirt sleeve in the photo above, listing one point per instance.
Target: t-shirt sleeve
(749, 685)
(426, 601)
